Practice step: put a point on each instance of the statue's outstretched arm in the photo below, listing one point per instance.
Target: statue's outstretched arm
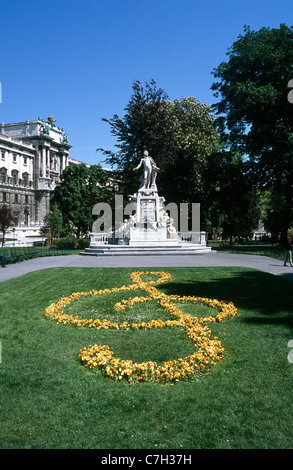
(138, 166)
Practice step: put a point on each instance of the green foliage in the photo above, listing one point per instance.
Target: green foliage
(238, 200)
(21, 253)
(275, 204)
(71, 242)
(194, 151)
(80, 189)
(254, 114)
(6, 220)
(68, 229)
(54, 220)
(180, 136)
(147, 124)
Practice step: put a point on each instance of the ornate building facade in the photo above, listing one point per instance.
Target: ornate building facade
(32, 156)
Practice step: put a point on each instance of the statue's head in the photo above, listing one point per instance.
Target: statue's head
(145, 153)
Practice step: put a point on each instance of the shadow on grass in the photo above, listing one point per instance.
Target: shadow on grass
(266, 298)
(287, 277)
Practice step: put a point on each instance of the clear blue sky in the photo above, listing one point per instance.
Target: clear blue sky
(77, 59)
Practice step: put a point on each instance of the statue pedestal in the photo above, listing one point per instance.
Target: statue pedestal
(151, 224)
(158, 237)
(147, 206)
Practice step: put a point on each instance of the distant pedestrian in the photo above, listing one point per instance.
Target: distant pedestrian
(288, 248)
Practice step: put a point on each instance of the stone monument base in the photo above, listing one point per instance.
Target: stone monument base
(100, 246)
(120, 250)
(158, 237)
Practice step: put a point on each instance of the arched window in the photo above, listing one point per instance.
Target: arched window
(25, 179)
(14, 175)
(3, 173)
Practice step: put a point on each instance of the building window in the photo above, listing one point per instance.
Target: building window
(26, 199)
(2, 177)
(14, 158)
(14, 177)
(16, 198)
(25, 160)
(25, 179)
(4, 197)
(2, 155)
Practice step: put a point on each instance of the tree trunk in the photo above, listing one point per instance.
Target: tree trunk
(3, 236)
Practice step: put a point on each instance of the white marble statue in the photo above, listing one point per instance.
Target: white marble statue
(150, 171)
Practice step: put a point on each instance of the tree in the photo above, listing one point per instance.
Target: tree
(6, 220)
(275, 201)
(196, 143)
(54, 220)
(238, 199)
(147, 124)
(180, 136)
(81, 187)
(254, 113)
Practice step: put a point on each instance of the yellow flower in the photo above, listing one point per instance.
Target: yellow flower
(208, 350)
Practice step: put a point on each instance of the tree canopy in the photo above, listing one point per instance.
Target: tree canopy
(180, 135)
(80, 188)
(54, 220)
(146, 124)
(254, 113)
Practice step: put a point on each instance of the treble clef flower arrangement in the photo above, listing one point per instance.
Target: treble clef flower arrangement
(208, 352)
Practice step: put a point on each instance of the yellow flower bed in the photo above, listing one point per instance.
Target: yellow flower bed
(209, 350)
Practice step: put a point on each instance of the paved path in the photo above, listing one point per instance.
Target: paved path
(262, 263)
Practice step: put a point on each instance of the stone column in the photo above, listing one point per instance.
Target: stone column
(44, 152)
(63, 162)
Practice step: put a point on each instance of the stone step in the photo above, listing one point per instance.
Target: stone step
(120, 250)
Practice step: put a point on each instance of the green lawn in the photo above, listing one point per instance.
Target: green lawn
(49, 400)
